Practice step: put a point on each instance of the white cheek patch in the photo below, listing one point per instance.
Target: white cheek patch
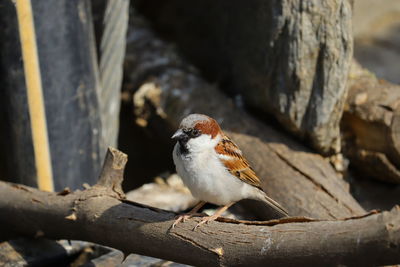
(201, 143)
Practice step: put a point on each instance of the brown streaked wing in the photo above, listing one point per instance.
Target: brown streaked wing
(237, 165)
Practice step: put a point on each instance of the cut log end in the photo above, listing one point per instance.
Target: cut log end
(371, 126)
(112, 174)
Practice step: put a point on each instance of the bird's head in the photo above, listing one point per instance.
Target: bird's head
(198, 132)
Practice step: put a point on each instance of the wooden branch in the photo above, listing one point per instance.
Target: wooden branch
(371, 125)
(97, 215)
(302, 181)
(112, 173)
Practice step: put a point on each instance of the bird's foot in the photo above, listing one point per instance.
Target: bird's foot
(184, 217)
(206, 220)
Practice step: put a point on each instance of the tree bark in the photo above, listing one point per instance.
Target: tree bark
(302, 181)
(98, 215)
(371, 125)
(288, 58)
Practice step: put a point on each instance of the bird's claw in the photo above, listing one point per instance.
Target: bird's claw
(181, 218)
(184, 217)
(205, 220)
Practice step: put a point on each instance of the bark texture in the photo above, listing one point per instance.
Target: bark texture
(303, 182)
(288, 58)
(371, 125)
(98, 215)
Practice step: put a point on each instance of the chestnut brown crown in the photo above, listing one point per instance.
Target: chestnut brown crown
(202, 123)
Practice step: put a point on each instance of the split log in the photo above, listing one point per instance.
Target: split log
(98, 215)
(288, 58)
(302, 181)
(371, 125)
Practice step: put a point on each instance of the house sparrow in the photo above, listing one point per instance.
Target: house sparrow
(214, 169)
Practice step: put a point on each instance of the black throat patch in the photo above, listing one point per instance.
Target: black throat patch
(183, 149)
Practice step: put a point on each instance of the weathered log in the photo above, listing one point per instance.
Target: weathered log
(371, 125)
(288, 58)
(97, 215)
(303, 182)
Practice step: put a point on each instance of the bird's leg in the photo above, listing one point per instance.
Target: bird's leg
(191, 213)
(214, 216)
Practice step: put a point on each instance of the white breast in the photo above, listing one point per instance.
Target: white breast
(205, 175)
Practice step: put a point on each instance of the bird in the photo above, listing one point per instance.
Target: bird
(214, 169)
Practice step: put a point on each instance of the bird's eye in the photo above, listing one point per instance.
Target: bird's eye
(195, 132)
(192, 132)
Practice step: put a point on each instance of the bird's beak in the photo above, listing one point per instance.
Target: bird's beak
(178, 135)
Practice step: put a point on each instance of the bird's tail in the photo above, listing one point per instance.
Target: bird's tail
(278, 210)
